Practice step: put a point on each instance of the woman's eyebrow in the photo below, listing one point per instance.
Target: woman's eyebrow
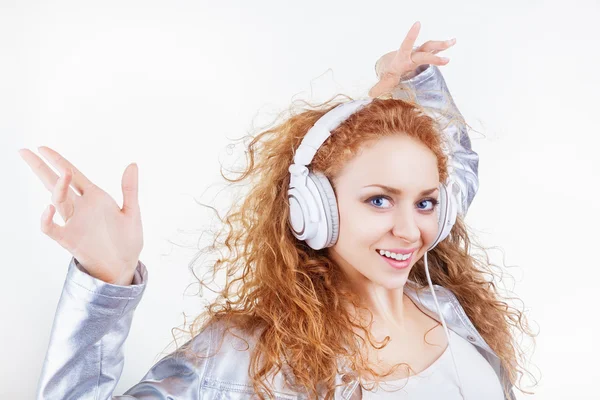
(398, 191)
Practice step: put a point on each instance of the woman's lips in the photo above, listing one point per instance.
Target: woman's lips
(397, 264)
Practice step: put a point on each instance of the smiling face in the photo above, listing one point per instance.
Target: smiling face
(401, 217)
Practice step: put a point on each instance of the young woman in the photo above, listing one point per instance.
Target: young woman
(349, 267)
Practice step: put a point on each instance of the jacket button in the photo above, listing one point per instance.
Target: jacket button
(470, 338)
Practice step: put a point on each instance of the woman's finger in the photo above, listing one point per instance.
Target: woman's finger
(50, 228)
(410, 39)
(43, 172)
(435, 46)
(421, 58)
(60, 197)
(130, 187)
(79, 181)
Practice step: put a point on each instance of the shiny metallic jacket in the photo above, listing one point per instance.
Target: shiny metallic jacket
(85, 354)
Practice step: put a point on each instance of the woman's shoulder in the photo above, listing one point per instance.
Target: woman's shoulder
(220, 337)
(221, 353)
(220, 346)
(214, 362)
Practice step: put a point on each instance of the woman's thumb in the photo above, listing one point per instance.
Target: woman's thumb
(129, 185)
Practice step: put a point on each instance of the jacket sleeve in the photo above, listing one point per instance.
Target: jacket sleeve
(85, 359)
(429, 87)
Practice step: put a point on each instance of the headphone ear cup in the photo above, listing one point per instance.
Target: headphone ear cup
(328, 229)
(299, 217)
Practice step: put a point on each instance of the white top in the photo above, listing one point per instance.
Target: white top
(478, 379)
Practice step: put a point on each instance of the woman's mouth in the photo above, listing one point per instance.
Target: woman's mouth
(396, 260)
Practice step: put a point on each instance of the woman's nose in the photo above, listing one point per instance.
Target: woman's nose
(405, 226)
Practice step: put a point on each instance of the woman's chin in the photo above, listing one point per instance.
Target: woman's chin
(391, 283)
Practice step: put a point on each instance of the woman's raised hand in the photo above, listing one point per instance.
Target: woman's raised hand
(402, 63)
(105, 239)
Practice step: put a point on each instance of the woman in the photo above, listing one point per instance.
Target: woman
(329, 291)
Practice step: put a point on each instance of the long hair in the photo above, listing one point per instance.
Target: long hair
(294, 298)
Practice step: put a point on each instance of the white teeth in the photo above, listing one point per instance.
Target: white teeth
(395, 256)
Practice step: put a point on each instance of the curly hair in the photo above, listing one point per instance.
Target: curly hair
(296, 297)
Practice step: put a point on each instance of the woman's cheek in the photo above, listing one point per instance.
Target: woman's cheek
(430, 229)
(356, 218)
(374, 227)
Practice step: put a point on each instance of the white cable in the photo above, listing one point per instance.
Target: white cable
(443, 324)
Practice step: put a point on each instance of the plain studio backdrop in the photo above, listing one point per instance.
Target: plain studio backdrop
(169, 85)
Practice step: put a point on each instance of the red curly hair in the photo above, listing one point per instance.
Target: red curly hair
(297, 297)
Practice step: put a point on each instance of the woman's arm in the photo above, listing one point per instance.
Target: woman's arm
(85, 354)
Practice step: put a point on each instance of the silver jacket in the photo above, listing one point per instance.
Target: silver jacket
(85, 353)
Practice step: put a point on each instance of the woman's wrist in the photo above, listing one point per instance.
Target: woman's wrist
(386, 83)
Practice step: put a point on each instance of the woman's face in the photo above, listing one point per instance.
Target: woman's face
(401, 217)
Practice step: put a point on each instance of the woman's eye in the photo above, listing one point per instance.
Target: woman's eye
(433, 203)
(378, 201)
(385, 202)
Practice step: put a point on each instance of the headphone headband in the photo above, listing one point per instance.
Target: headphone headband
(321, 130)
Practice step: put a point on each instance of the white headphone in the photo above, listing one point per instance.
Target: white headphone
(313, 208)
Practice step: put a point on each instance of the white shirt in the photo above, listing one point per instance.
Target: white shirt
(478, 379)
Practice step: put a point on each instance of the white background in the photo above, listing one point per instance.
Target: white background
(168, 84)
